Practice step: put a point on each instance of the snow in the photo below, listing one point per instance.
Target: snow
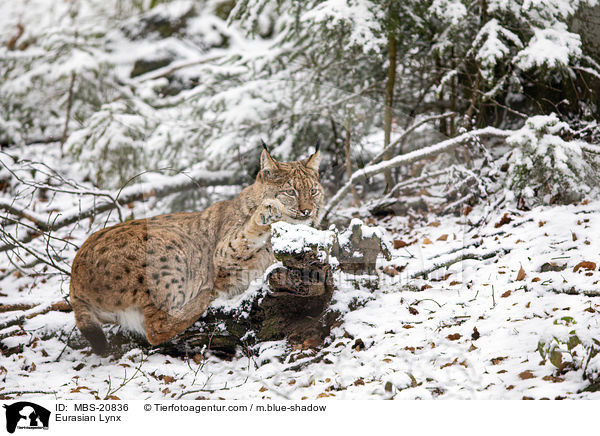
(452, 11)
(299, 238)
(358, 15)
(419, 340)
(552, 47)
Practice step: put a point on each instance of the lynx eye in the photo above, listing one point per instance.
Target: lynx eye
(314, 192)
(290, 192)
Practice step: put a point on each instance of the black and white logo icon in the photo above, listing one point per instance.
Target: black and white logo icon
(26, 415)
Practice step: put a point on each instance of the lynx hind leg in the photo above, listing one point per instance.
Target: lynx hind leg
(160, 326)
(268, 212)
(90, 327)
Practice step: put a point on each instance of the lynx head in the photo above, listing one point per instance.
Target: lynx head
(295, 184)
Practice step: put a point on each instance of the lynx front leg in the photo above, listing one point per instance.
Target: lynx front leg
(268, 212)
(243, 256)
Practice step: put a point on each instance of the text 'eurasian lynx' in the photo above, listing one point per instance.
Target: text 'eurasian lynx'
(157, 275)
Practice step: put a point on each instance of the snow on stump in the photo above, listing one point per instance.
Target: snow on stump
(293, 300)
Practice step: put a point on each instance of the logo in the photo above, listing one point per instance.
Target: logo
(26, 415)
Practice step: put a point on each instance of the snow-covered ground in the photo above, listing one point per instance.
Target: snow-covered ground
(468, 331)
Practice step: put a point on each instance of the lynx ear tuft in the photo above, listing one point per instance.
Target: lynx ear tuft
(266, 161)
(314, 161)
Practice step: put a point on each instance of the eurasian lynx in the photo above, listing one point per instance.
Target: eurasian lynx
(157, 275)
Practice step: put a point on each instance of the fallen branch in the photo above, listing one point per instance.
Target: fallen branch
(40, 309)
(573, 291)
(12, 207)
(447, 145)
(460, 258)
(4, 394)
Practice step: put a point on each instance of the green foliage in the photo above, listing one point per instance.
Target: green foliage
(545, 168)
(570, 348)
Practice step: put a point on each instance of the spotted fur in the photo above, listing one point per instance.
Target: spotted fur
(158, 275)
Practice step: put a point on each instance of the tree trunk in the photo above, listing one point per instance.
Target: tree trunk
(389, 101)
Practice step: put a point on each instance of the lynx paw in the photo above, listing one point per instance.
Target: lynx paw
(269, 212)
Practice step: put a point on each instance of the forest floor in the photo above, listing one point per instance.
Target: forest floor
(469, 330)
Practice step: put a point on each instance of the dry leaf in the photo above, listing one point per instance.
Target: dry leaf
(454, 336)
(427, 241)
(585, 265)
(506, 294)
(553, 379)
(535, 279)
(521, 274)
(434, 224)
(168, 379)
(504, 220)
(413, 311)
(78, 389)
(399, 243)
(443, 238)
(390, 271)
(497, 360)
(263, 389)
(446, 365)
(526, 375)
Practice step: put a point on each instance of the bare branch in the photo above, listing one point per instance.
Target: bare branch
(413, 156)
(167, 185)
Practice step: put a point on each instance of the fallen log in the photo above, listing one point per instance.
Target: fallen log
(292, 301)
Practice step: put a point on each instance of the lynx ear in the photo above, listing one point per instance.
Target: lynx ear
(266, 161)
(314, 161)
